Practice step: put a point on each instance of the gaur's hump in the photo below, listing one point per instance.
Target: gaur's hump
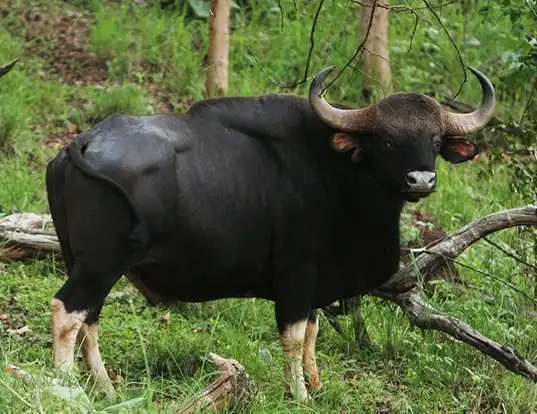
(237, 104)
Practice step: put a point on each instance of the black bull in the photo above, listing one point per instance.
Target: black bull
(275, 197)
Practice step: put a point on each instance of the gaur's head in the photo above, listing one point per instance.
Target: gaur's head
(6, 68)
(400, 137)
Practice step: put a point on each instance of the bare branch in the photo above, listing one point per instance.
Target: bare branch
(424, 316)
(404, 288)
(312, 38)
(359, 49)
(416, 20)
(528, 103)
(402, 7)
(366, 75)
(437, 17)
(308, 60)
(511, 255)
(378, 55)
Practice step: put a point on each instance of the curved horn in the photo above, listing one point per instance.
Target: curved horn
(6, 68)
(462, 124)
(348, 120)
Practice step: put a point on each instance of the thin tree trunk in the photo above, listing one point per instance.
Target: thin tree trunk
(217, 60)
(376, 57)
(535, 261)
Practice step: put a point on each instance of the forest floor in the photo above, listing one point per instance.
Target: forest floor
(80, 64)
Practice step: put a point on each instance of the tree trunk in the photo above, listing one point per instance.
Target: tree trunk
(217, 60)
(376, 57)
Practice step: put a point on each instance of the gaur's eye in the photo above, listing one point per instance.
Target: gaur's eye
(388, 144)
(437, 143)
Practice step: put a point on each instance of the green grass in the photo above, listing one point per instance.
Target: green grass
(151, 52)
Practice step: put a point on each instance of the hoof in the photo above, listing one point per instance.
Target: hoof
(302, 397)
(315, 385)
(108, 393)
(105, 388)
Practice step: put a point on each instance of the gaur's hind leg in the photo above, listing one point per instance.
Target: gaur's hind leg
(309, 359)
(96, 225)
(65, 327)
(77, 305)
(88, 336)
(81, 296)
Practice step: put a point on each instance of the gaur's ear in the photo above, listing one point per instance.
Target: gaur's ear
(457, 150)
(342, 142)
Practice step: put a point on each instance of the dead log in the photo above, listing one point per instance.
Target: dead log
(232, 388)
(27, 236)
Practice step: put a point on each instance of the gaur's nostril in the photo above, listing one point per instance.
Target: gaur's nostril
(410, 179)
(421, 181)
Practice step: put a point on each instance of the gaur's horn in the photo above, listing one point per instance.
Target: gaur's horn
(462, 124)
(6, 68)
(348, 120)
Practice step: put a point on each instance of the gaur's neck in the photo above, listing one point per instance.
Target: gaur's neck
(376, 211)
(377, 202)
(378, 224)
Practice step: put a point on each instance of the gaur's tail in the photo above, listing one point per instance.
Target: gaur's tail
(139, 235)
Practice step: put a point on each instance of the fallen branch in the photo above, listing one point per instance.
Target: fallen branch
(27, 235)
(404, 288)
(232, 388)
(424, 316)
(450, 247)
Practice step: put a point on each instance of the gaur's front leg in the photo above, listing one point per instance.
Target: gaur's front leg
(293, 308)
